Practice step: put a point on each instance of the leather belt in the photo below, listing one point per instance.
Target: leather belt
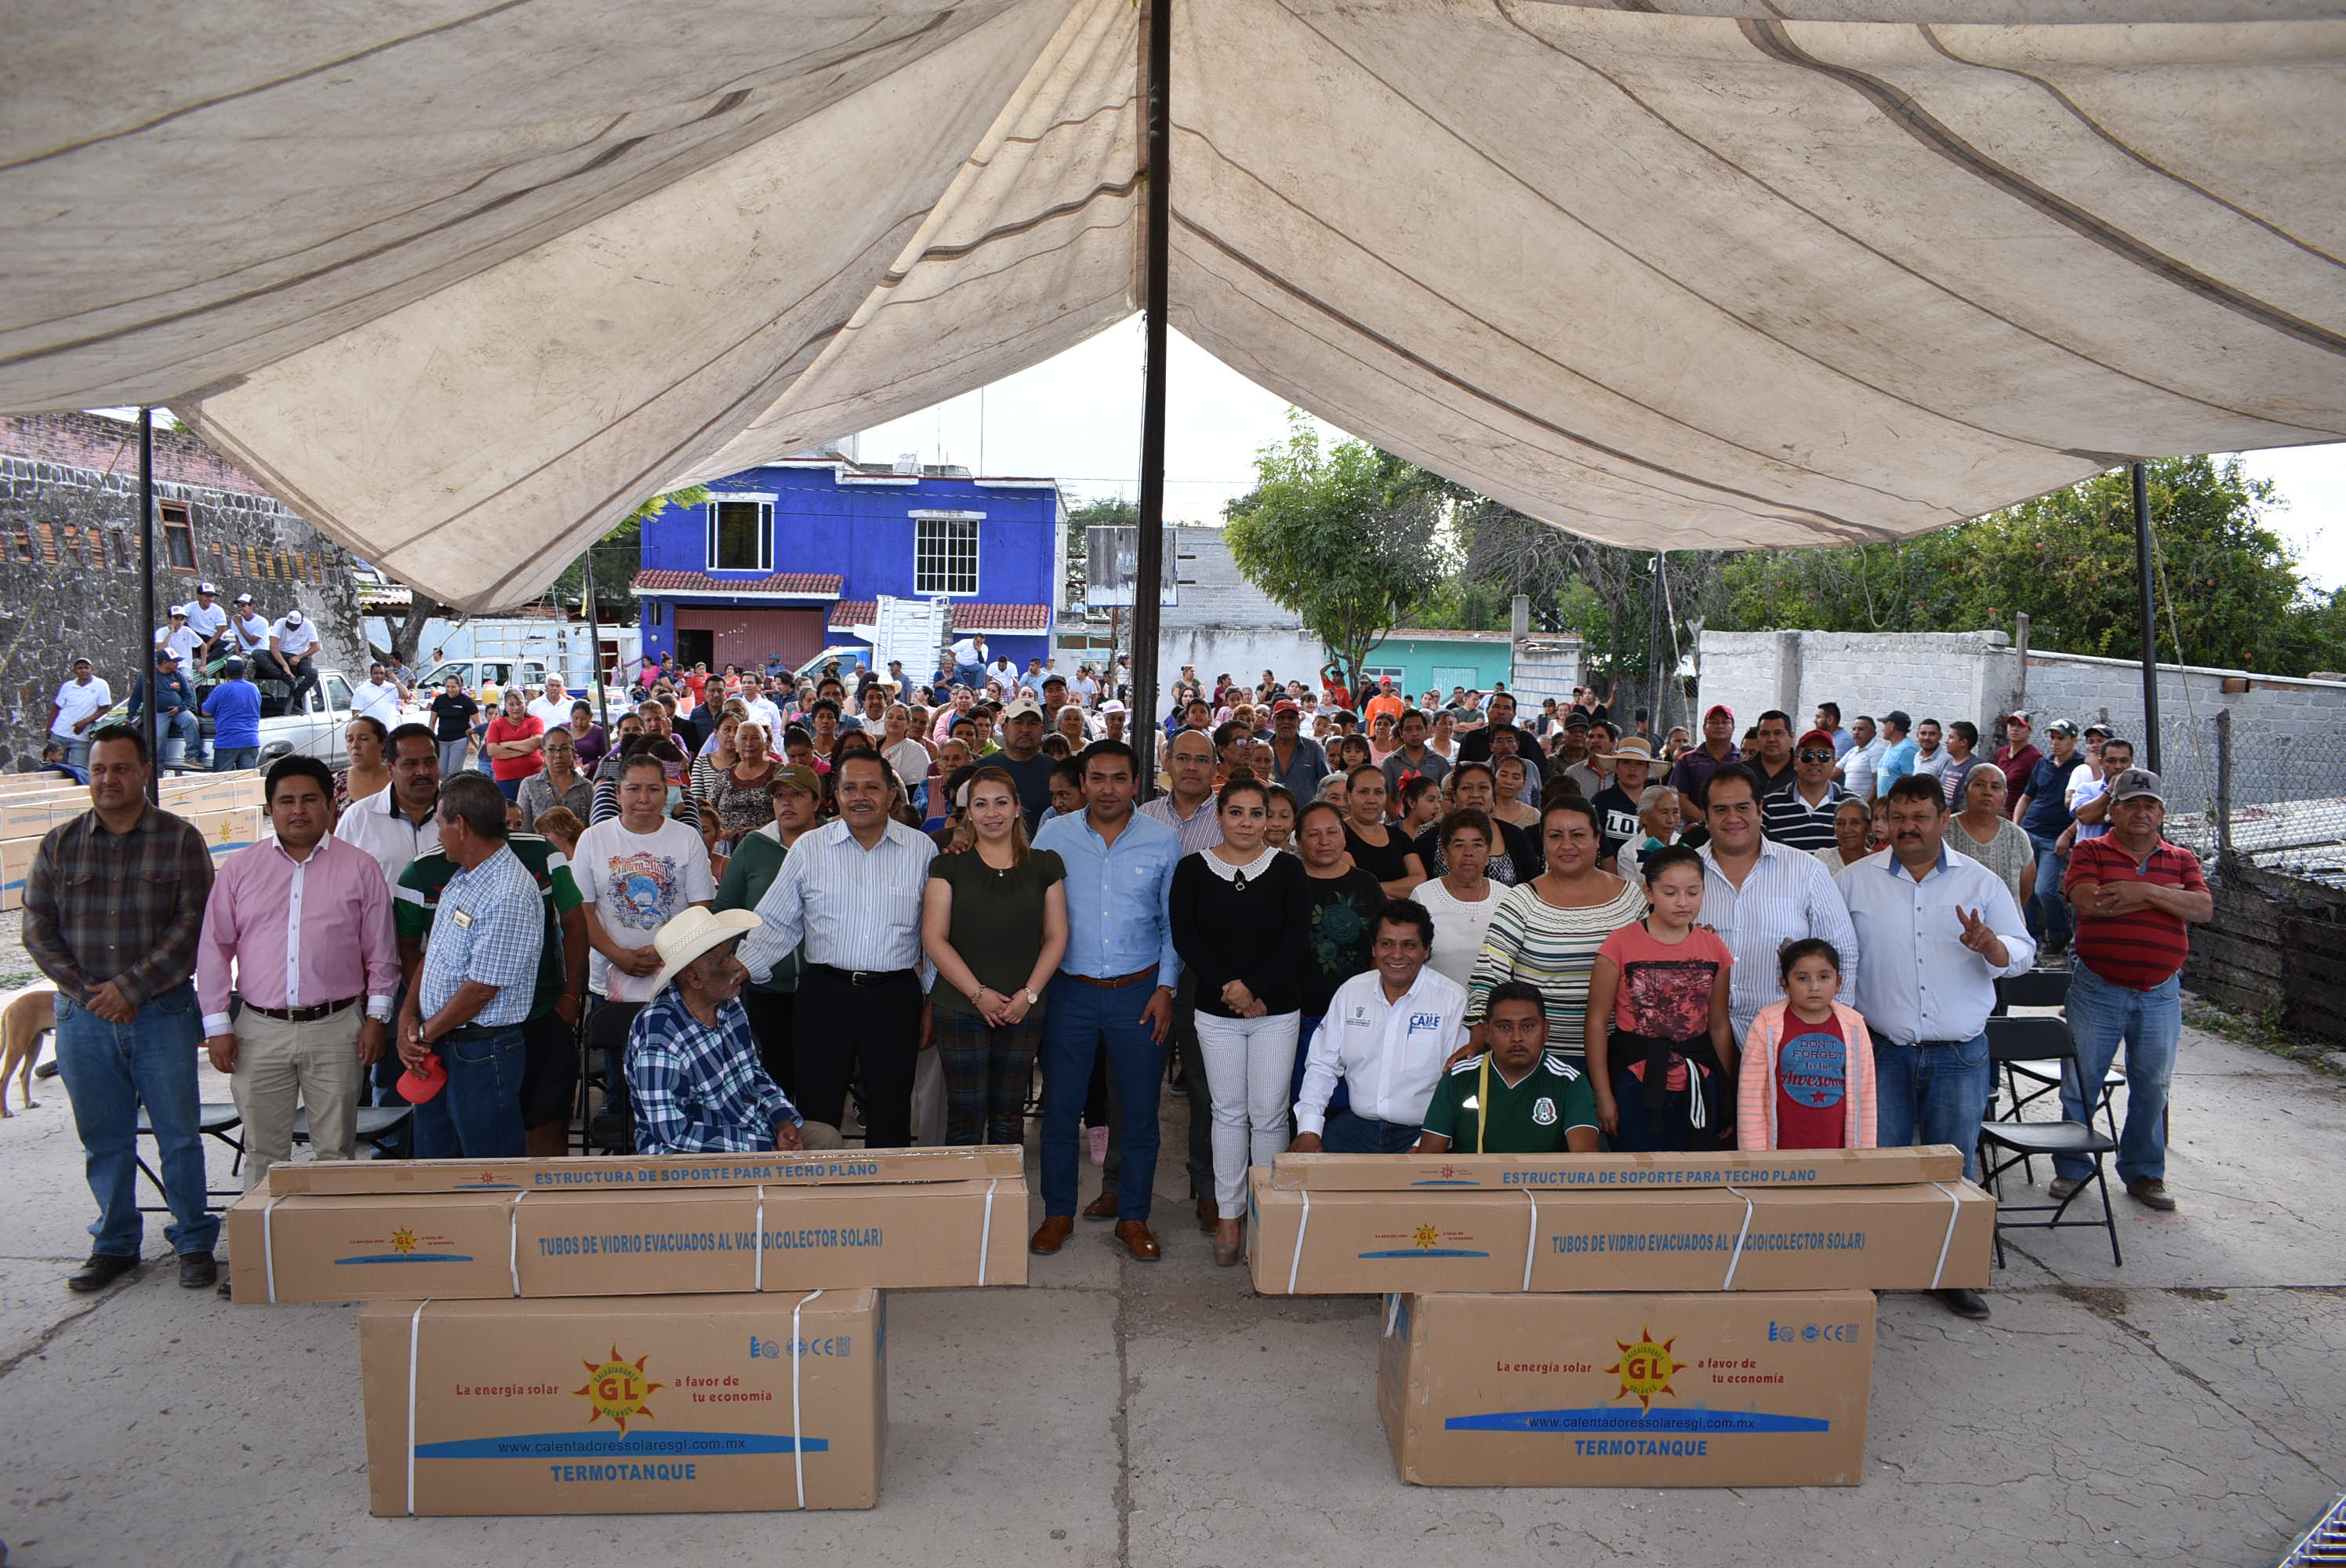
(304, 1015)
(864, 977)
(1116, 983)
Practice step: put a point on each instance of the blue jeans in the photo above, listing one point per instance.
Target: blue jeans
(1347, 1134)
(2049, 911)
(112, 1069)
(1079, 1020)
(235, 759)
(2149, 1023)
(478, 1116)
(1932, 1093)
(452, 756)
(970, 674)
(180, 734)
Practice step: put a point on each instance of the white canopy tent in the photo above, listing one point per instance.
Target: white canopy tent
(464, 283)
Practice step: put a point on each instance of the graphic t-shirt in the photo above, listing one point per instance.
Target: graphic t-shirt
(636, 883)
(1812, 1078)
(1341, 911)
(1665, 990)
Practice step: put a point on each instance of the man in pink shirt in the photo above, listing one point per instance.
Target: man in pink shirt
(299, 929)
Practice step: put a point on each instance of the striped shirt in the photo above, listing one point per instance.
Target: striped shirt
(1555, 949)
(1201, 829)
(2145, 948)
(1787, 818)
(124, 907)
(1785, 897)
(855, 907)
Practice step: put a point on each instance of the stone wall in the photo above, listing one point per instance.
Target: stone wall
(2286, 732)
(69, 584)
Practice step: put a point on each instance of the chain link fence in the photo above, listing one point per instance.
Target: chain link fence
(2253, 796)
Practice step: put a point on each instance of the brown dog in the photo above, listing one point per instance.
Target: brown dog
(27, 1018)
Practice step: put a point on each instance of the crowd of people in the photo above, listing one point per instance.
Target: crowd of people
(1345, 920)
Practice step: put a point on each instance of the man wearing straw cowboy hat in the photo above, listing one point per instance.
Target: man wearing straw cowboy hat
(692, 1062)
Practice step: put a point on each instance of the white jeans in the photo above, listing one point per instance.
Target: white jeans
(1249, 1064)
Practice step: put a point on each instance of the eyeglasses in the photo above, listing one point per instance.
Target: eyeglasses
(1816, 756)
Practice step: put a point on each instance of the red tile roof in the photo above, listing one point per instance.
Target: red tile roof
(1000, 618)
(793, 584)
(849, 614)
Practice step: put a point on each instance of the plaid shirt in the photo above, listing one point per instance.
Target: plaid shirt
(126, 907)
(700, 1090)
(490, 928)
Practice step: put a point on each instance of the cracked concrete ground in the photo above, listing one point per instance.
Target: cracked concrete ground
(2182, 1409)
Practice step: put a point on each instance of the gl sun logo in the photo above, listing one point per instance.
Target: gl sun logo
(1425, 1236)
(1646, 1368)
(618, 1389)
(402, 1239)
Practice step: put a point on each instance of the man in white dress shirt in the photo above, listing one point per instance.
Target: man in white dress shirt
(1939, 930)
(379, 698)
(1758, 895)
(1386, 1035)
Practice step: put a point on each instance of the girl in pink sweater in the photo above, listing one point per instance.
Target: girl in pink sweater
(1807, 1063)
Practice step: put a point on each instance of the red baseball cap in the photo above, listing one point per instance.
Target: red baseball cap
(421, 1083)
(1818, 736)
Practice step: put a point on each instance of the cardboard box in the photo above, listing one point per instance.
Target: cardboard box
(1567, 1173)
(485, 1244)
(1765, 1389)
(595, 1173)
(1911, 1238)
(658, 1404)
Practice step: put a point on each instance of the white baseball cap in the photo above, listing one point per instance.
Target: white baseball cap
(292, 617)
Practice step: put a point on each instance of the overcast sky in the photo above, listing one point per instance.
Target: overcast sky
(1076, 418)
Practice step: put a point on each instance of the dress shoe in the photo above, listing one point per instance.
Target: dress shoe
(1051, 1235)
(1104, 1206)
(1230, 1243)
(197, 1271)
(102, 1269)
(1133, 1234)
(2151, 1193)
(1210, 1212)
(1968, 1304)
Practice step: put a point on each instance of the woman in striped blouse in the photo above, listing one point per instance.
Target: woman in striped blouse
(1548, 930)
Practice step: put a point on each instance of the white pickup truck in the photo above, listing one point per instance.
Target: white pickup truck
(316, 729)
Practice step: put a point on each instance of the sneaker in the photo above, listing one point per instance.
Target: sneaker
(1098, 1137)
(2151, 1193)
(2062, 1187)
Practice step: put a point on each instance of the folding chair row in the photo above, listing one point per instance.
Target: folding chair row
(2005, 1143)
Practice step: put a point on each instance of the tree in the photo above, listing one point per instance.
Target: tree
(617, 555)
(2226, 582)
(1347, 536)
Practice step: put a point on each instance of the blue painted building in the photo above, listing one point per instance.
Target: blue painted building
(791, 556)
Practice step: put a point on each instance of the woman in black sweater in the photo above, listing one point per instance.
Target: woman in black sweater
(1241, 915)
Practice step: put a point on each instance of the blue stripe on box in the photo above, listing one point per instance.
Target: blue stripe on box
(647, 1445)
(1613, 1418)
(409, 1258)
(1426, 1252)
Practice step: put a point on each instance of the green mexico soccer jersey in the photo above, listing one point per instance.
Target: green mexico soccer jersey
(1480, 1113)
(417, 897)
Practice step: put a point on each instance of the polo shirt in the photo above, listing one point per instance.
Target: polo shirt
(1690, 775)
(1786, 817)
(2143, 950)
(1527, 1118)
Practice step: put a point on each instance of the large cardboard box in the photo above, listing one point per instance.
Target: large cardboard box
(599, 1173)
(1634, 1172)
(1916, 1237)
(1763, 1389)
(659, 1404)
(485, 1245)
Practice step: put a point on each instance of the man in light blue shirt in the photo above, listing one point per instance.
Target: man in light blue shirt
(1938, 931)
(480, 976)
(1901, 750)
(852, 890)
(1114, 989)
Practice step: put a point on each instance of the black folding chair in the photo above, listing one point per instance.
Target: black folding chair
(2005, 1144)
(2036, 988)
(603, 1052)
(217, 1120)
(385, 1129)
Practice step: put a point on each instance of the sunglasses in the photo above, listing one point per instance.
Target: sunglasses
(1816, 756)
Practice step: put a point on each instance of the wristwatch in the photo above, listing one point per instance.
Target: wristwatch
(1032, 1000)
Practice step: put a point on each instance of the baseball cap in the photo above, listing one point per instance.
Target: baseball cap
(244, 598)
(232, 666)
(207, 587)
(1022, 709)
(292, 617)
(2104, 730)
(162, 654)
(1899, 717)
(1576, 720)
(2019, 714)
(176, 612)
(2062, 727)
(1719, 707)
(419, 1084)
(1816, 735)
(2135, 784)
(1287, 705)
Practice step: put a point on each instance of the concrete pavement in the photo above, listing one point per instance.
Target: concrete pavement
(2182, 1409)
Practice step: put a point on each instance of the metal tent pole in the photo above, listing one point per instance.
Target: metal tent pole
(2150, 619)
(594, 646)
(142, 667)
(1150, 557)
(1656, 658)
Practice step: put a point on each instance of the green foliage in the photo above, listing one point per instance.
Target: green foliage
(1347, 536)
(1104, 511)
(2068, 559)
(617, 554)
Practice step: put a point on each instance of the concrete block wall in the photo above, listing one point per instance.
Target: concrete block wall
(1942, 676)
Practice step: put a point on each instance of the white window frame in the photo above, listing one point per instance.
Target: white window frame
(922, 587)
(1372, 672)
(765, 533)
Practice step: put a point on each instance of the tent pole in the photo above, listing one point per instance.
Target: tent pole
(594, 645)
(1151, 562)
(1655, 660)
(142, 667)
(2150, 619)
